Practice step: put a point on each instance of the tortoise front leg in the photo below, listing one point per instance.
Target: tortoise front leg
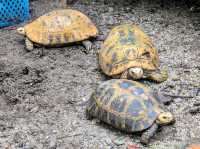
(124, 75)
(149, 134)
(158, 76)
(29, 44)
(88, 45)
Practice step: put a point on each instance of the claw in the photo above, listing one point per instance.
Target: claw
(88, 45)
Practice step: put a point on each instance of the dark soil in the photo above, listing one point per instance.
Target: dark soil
(41, 95)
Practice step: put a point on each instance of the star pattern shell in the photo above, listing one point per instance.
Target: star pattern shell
(124, 104)
(60, 27)
(127, 46)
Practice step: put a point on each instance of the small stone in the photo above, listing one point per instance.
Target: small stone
(108, 141)
(132, 146)
(84, 99)
(119, 140)
(35, 109)
(171, 85)
(25, 71)
(95, 121)
(7, 146)
(178, 99)
(175, 77)
(110, 9)
(52, 144)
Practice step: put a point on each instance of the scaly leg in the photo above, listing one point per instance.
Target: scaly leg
(148, 134)
(90, 107)
(158, 76)
(88, 45)
(124, 75)
(29, 44)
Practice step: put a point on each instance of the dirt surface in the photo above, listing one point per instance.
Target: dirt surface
(40, 95)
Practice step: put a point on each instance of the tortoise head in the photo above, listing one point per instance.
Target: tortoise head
(136, 73)
(21, 30)
(165, 118)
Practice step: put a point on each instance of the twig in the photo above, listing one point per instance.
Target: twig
(196, 104)
(10, 28)
(198, 91)
(178, 96)
(194, 110)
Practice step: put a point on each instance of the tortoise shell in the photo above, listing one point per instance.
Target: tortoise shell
(60, 27)
(124, 104)
(127, 46)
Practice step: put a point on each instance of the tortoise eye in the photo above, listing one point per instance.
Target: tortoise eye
(164, 117)
(146, 54)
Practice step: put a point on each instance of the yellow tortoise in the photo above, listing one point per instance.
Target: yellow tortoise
(129, 53)
(59, 27)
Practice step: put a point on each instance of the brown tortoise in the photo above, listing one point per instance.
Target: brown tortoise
(129, 53)
(129, 106)
(59, 27)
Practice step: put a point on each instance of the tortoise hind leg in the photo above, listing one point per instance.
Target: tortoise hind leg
(148, 134)
(88, 45)
(158, 76)
(90, 110)
(29, 44)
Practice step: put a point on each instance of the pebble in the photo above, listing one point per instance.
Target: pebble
(119, 140)
(132, 146)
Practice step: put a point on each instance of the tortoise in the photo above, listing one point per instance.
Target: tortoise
(129, 53)
(129, 106)
(59, 27)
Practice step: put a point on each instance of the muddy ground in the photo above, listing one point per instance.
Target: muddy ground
(41, 95)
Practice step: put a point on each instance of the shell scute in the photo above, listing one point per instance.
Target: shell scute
(137, 91)
(129, 125)
(125, 84)
(119, 103)
(151, 114)
(134, 108)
